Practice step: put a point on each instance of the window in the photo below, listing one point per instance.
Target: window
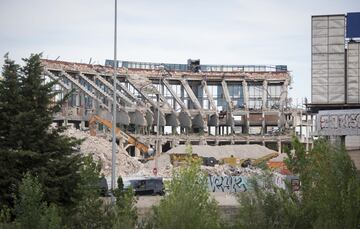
(236, 94)
(255, 96)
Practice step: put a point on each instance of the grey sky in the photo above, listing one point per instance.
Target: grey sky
(217, 32)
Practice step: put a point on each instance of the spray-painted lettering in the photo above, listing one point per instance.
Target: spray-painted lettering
(227, 184)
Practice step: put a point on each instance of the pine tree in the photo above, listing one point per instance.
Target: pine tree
(28, 143)
(9, 102)
(11, 158)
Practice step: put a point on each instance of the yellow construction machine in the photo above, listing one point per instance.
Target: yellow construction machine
(177, 159)
(234, 161)
(144, 149)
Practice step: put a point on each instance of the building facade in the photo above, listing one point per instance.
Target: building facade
(200, 104)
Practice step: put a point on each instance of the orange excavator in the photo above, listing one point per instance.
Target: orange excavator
(144, 149)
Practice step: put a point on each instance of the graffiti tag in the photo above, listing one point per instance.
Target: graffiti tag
(227, 184)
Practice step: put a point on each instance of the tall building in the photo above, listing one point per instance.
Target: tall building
(335, 61)
(335, 79)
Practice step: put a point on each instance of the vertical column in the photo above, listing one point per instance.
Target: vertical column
(246, 94)
(284, 92)
(279, 146)
(137, 152)
(264, 95)
(263, 126)
(247, 125)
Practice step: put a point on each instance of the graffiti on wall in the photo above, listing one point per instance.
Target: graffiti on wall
(339, 122)
(227, 184)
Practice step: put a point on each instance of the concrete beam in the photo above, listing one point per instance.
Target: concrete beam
(118, 93)
(81, 87)
(226, 94)
(52, 76)
(209, 95)
(230, 117)
(190, 93)
(172, 92)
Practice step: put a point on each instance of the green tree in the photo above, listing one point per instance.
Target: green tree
(329, 196)
(267, 206)
(30, 209)
(27, 142)
(11, 160)
(91, 211)
(125, 215)
(188, 205)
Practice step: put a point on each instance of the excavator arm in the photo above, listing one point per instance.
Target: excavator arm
(118, 132)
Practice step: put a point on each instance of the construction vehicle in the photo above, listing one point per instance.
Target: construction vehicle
(263, 159)
(234, 161)
(144, 149)
(182, 158)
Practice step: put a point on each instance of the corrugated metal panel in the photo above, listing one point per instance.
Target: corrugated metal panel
(328, 59)
(336, 48)
(320, 89)
(319, 98)
(323, 32)
(353, 70)
(336, 40)
(320, 41)
(336, 81)
(337, 23)
(319, 81)
(336, 32)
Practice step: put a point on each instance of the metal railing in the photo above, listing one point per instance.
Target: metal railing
(203, 68)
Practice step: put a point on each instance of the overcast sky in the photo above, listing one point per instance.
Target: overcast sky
(168, 31)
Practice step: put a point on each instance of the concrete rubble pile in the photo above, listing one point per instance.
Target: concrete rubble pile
(164, 167)
(228, 170)
(100, 149)
(127, 166)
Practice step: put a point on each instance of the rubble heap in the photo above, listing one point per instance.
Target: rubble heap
(100, 149)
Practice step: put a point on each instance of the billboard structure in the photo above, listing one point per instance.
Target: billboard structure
(353, 25)
(338, 122)
(328, 59)
(353, 73)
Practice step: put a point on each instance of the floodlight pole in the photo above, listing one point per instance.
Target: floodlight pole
(158, 145)
(113, 151)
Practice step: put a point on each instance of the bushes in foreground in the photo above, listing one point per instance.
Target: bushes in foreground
(329, 196)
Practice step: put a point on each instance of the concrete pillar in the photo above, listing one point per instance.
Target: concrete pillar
(82, 125)
(159, 147)
(247, 125)
(246, 94)
(264, 95)
(137, 152)
(263, 123)
(279, 146)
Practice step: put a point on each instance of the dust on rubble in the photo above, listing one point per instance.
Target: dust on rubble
(126, 166)
(100, 148)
